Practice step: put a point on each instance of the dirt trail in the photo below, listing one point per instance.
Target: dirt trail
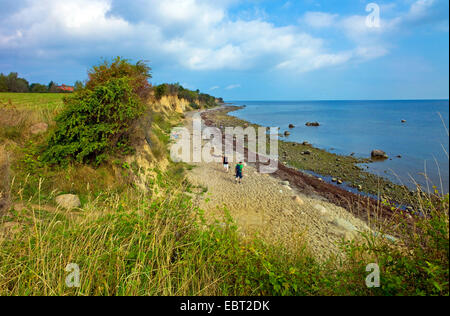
(265, 206)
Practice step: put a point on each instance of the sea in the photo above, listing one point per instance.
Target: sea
(418, 148)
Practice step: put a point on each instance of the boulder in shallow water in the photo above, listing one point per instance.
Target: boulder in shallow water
(313, 124)
(291, 126)
(379, 154)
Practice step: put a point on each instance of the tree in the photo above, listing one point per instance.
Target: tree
(16, 84)
(78, 86)
(38, 88)
(3, 85)
(53, 87)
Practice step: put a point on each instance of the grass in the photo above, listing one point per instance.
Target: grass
(155, 242)
(32, 101)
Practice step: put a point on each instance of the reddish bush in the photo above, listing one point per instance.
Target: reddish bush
(120, 68)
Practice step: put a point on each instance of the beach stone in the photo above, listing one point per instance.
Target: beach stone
(379, 154)
(340, 182)
(68, 201)
(343, 224)
(306, 144)
(298, 200)
(334, 180)
(39, 128)
(285, 183)
(322, 210)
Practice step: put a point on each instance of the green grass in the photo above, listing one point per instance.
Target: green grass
(32, 101)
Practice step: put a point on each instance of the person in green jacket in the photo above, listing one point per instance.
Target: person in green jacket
(239, 172)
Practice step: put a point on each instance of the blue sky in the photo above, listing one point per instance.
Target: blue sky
(240, 50)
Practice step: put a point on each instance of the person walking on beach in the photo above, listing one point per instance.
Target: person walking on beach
(226, 164)
(239, 172)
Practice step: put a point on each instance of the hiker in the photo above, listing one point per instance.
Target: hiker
(239, 169)
(226, 164)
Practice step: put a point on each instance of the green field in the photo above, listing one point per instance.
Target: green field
(36, 101)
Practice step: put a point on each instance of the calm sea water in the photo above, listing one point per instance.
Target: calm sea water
(362, 126)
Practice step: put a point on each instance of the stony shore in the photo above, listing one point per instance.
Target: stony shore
(346, 172)
(276, 210)
(287, 207)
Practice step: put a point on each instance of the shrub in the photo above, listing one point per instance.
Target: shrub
(94, 123)
(121, 68)
(161, 91)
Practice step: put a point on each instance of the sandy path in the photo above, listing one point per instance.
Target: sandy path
(262, 205)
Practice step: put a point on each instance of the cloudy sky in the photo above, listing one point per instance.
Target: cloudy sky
(240, 50)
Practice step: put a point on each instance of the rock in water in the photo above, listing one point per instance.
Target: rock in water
(39, 128)
(313, 124)
(379, 154)
(68, 201)
(287, 133)
(291, 126)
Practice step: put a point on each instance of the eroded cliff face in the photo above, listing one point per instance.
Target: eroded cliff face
(173, 103)
(150, 134)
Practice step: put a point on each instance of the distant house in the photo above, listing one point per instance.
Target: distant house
(65, 88)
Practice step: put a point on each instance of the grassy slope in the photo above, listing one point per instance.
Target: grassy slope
(129, 242)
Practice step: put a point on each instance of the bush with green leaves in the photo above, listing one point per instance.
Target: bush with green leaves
(94, 123)
(138, 75)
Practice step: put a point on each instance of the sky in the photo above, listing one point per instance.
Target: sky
(240, 50)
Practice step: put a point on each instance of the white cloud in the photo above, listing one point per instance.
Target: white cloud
(233, 86)
(195, 34)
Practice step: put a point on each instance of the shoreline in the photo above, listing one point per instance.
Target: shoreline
(359, 191)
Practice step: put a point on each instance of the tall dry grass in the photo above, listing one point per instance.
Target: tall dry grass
(4, 181)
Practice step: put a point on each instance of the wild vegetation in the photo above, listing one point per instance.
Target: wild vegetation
(129, 240)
